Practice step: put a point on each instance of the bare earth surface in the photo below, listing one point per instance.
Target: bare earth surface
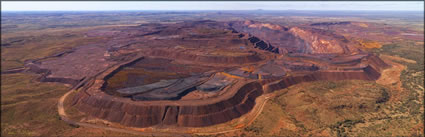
(177, 74)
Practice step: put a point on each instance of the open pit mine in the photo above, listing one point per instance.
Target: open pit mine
(198, 73)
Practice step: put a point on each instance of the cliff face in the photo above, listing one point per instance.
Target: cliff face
(295, 39)
(263, 45)
(279, 38)
(318, 43)
(241, 103)
(377, 63)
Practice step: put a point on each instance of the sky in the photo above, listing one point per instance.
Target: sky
(209, 5)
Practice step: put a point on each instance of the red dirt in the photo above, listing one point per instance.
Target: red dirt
(258, 58)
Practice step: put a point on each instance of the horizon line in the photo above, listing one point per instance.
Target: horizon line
(209, 10)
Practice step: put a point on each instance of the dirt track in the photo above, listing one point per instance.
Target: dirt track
(391, 76)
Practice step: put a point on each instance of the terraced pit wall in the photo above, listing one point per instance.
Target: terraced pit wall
(140, 115)
(255, 57)
(233, 104)
(370, 72)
